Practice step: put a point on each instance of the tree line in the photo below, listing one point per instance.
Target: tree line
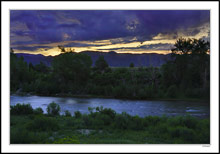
(186, 75)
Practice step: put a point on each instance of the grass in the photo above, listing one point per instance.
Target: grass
(104, 126)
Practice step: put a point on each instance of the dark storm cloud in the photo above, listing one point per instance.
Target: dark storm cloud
(44, 26)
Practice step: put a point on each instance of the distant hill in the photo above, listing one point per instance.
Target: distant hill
(114, 59)
(36, 59)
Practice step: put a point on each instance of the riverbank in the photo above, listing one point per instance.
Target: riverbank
(111, 97)
(104, 126)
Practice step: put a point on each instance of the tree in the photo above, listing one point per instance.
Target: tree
(72, 69)
(11, 50)
(191, 62)
(19, 72)
(53, 109)
(41, 68)
(131, 65)
(200, 47)
(183, 46)
(190, 46)
(61, 48)
(101, 64)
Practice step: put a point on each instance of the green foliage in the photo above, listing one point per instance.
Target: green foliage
(101, 64)
(42, 123)
(172, 91)
(67, 113)
(185, 75)
(53, 109)
(122, 121)
(38, 111)
(23, 136)
(107, 111)
(72, 69)
(151, 121)
(137, 123)
(103, 128)
(42, 68)
(184, 133)
(77, 114)
(19, 73)
(131, 65)
(67, 140)
(21, 109)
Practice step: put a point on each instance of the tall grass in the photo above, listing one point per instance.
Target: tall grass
(37, 128)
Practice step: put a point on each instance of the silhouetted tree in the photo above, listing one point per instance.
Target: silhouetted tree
(11, 50)
(61, 48)
(183, 46)
(101, 64)
(131, 65)
(72, 70)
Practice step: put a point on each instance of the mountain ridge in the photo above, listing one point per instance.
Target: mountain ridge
(113, 59)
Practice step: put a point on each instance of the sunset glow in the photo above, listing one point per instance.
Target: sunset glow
(133, 32)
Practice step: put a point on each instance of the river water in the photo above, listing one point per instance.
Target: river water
(141, 108)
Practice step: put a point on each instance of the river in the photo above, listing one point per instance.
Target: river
(141, 108)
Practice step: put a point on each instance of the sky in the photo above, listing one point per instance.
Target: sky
(122, 31)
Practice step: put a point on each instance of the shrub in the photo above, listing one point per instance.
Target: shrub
(187, 121)
(76, 123)
(108, 111)
(67, 113)
(122, 121)
(77, 114)
(190, 122)
(21, 109)
(151, 121)
(107, 120)
(42, 123)
(23, 136)
(182, 132)
(67, 140)
(53, 109)
(87, 121)
(38, 111)
(160, 129)
(137, 123)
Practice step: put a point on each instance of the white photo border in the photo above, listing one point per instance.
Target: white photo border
(131, 5)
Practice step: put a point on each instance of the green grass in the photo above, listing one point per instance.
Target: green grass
(104, 126)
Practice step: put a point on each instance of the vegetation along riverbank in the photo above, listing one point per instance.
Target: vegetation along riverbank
(185, 76)
(102, 126)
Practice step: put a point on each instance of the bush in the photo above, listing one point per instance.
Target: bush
(190, 122)
(187, 121)
(77, 114)
(67, 113)
(23, 136)
(67, 140)
(88, 121)
(53, 109)
(38, 111)
(107, 111)
(75, 123)
(21, 109)
(151, 121)
(137, 123)
(42, 123)
(122, 121)
(183, 133)
(160, 129)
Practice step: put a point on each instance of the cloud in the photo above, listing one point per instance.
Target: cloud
(106, 29)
